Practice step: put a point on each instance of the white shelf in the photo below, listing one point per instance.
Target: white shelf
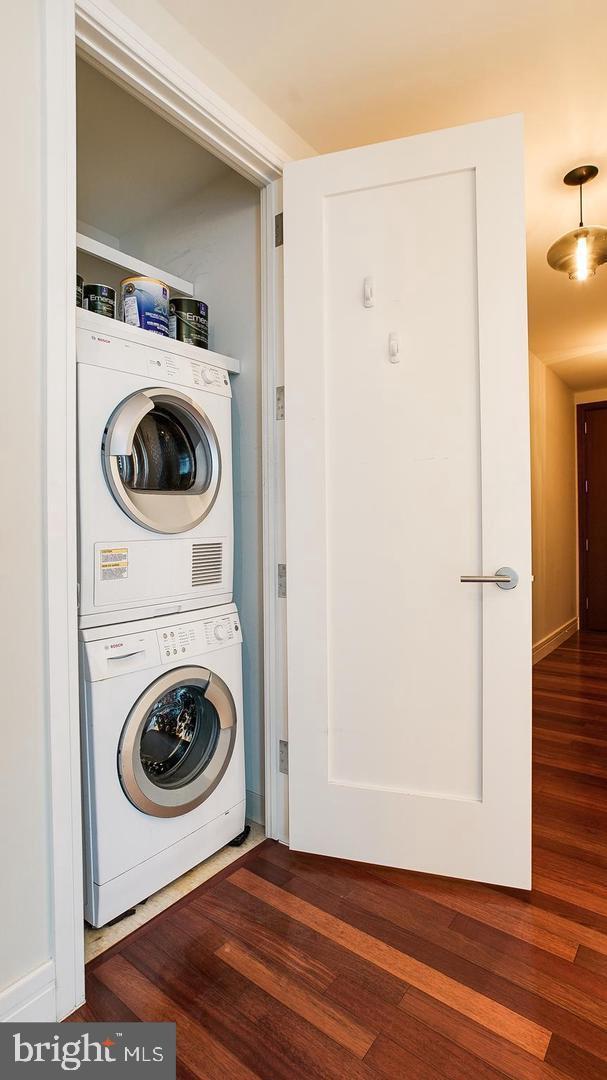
(131, 264)
(99, 324)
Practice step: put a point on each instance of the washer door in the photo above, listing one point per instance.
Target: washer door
(162, 460)
(177, 742)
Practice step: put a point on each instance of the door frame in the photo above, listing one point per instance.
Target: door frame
(119, 48)
(581, 409)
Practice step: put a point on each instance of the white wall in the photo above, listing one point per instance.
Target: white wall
(24, 853)
(213, 240)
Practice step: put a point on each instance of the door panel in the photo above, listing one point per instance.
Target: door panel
(593, 515)
(385, 495)
(407, 467)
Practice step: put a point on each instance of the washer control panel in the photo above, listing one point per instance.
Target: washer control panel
(120, 655)
(191, 639)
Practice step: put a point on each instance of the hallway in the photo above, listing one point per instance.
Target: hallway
(289, 965)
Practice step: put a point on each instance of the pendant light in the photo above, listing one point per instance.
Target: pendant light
(578, 253)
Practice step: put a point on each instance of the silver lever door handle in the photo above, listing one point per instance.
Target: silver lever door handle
(504, 578)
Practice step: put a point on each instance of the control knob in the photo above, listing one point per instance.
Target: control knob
(208, 376)
(220, 632)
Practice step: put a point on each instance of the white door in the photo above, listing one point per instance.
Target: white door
(407, 467)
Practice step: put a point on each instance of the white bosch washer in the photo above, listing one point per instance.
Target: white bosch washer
(163, 752)
(155, 474)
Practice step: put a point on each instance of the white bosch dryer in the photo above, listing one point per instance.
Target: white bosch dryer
(155, 474)
(163, 752)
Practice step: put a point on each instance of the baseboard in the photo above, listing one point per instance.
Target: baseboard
(552, 641)
(31, 998)
(256, 807)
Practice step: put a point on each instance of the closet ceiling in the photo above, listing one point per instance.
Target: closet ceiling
(341, 74)
(123, 141)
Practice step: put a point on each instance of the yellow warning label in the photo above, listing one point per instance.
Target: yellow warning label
(113, 563)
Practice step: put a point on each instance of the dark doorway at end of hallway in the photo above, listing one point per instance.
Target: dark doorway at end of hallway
(592, 514)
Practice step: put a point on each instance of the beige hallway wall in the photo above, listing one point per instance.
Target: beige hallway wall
(553, 493)
(580, 397)
(156, 20)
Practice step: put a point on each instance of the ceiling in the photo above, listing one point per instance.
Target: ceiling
(342, 74)
(119, 139)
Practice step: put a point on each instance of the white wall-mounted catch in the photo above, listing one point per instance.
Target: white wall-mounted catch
(393, 349)
(368, 292)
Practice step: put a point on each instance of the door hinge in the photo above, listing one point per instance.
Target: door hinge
(587, 605)
(586, 486)
(585, 427)
(280, 402)
(278, 230)
(282, 580)
(586, 545)
(283, 756)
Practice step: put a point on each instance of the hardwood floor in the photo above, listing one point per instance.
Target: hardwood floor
(289, 965)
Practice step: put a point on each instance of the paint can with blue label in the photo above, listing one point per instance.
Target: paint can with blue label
(99, 298)
(189, 321)
(145, 303)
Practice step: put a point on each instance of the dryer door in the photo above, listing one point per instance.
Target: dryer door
(162, 460)
(177, 742)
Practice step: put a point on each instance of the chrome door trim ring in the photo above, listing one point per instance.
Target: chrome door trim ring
(147, 796)
(126, 501)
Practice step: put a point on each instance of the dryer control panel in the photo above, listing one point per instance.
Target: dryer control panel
(204, 635)
(116, 345)
(186, 372)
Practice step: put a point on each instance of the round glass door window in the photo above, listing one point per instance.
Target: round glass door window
(162, 460)
(179, 737)
(177, 742)
(165, 456)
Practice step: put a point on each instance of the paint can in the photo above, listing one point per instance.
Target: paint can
(99, 298)
(79, 288)
(145, 303)
(189, 321)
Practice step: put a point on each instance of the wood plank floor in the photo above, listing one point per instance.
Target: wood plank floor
(291, 965)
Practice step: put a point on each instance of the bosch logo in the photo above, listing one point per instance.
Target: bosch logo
(117, 645)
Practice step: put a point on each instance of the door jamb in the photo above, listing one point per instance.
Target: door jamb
(117, 46)
(275, 632)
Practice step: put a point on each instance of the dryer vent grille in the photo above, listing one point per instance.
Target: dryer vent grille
(207, 564)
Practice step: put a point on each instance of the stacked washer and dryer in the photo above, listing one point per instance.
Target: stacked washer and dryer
(160, 638)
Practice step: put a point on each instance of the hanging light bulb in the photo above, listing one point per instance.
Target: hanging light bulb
(581, 259)
(580, 252)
